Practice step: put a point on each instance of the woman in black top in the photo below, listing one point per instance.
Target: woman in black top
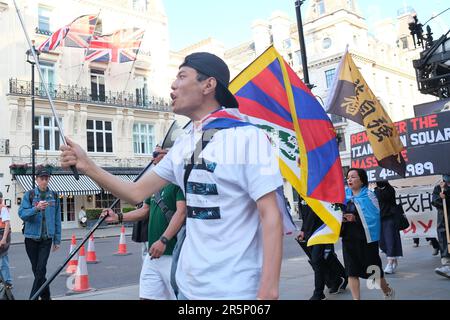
(390, 242)
(361, 257)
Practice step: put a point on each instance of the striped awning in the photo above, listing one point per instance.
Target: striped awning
(127, 177)
(64, 184)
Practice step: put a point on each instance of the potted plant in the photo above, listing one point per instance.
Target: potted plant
(18, 168)
(92, 216)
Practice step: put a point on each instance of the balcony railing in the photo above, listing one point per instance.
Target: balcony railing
(44, 32)
(81, 94)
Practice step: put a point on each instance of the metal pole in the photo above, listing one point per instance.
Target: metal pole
(301, 39)
(33, 143)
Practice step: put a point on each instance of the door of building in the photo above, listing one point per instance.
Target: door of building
(68, 219)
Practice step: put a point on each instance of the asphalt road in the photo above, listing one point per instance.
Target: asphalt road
(111, 271)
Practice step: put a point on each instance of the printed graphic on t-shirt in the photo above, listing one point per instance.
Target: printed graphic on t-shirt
(205, 165)
(204, 189)
(203, 213)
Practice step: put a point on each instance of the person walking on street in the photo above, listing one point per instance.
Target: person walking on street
(441, 192)
(166, 212)
(82, 217)
(361, 233)
(433, 241)
(390, 242)
(325, 272)
(40, 210)
(5, 241)
(234, 229)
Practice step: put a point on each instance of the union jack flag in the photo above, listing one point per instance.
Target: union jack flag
(76, 34)
(81, 31)
(52, 42)
(120, 46)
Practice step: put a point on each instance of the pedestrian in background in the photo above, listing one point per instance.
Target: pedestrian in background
(5, 241)
(327, 268)
(441, 192)
(166, 213)
(40, 210)
(361, 233)
(433, 241)
(390, 242)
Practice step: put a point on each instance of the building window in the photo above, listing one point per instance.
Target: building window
(46, 133)
(337, 119)
(329, 77)
(340, 136)
(97, 85)
(98, 27)
(105, 200)
(48, 71)
(404, 42)
(143, 138)
(140, 5)
(141, 91)
(320, 7)
(99, 136)
(44, 18)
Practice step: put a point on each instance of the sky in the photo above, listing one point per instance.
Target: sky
(230, 21)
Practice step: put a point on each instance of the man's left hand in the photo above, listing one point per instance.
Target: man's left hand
(2, 243)
(55, 247)
(157, 249)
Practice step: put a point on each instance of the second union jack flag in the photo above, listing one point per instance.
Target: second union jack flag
(81, 31)
(120, 46)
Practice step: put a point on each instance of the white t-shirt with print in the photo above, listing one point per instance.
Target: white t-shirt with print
(222, 255)
(4, 215)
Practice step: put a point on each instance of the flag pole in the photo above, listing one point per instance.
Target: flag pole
(301, 39)
(132, 66)
(50, 100)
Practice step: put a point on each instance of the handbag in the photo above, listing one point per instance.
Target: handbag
(400, 219)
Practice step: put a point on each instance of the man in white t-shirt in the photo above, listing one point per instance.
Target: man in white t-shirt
(233, 245)
(5, 239)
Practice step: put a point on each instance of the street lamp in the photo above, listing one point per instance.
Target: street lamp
(31, 61)
(301, 39)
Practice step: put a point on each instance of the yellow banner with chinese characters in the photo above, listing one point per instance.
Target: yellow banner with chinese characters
(352, 98)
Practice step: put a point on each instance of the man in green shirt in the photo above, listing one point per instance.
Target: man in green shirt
(167, 205)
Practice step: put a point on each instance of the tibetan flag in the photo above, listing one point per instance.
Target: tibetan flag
(81, 31)
(120, 46)
(273, 97)
(352, 98)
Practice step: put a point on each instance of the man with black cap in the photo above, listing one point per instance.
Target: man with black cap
(230, 175)
(40, 211)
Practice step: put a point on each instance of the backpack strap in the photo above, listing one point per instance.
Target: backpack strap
(162, 205)
(199, 147)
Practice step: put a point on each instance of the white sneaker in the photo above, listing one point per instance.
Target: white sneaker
(443, 271)
(389, 269)
(394, 266)
(390, 295)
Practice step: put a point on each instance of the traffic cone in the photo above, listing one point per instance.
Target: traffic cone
(122, 244)
(79, 282)
(73, 263)
(91, 256)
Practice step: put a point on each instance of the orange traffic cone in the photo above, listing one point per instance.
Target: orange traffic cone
(73, 263)
(91, 256)
(122, 244)
(80, 281)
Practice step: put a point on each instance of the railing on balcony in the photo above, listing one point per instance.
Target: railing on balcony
(81, 94)
(44, 32)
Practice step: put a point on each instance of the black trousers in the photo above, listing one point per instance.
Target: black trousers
(434, 242)
(38, 253)
(320, 266)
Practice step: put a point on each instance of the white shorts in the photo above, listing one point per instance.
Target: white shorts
(154, 282)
